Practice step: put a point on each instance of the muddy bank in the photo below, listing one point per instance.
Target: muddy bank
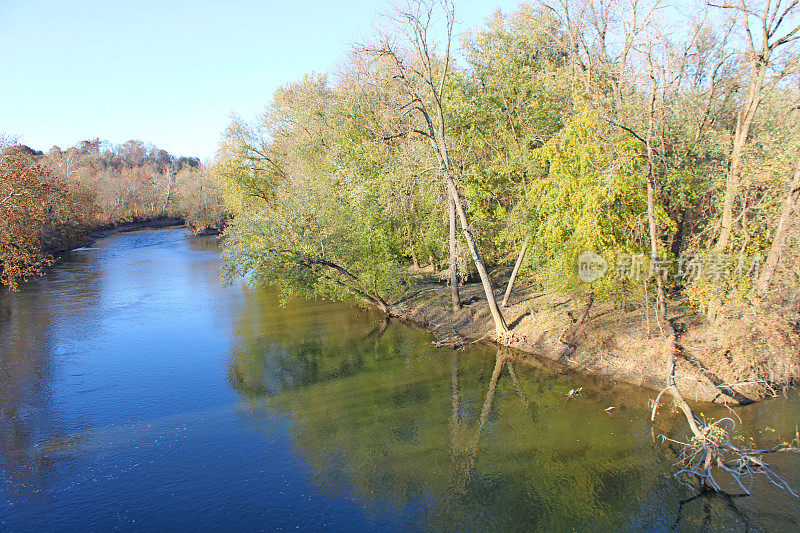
(619, 344)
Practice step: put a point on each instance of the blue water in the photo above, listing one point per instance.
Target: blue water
(139, 393)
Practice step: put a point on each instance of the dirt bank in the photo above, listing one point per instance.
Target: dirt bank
(620, 344)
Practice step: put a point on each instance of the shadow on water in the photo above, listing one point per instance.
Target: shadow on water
(711, 505)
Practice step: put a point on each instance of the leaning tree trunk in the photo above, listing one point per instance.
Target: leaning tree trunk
(784, 224)
(499, 322)
(454, 295)
(434, 81)
(514, 272)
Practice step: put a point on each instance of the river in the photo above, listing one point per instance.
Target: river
(137, 392)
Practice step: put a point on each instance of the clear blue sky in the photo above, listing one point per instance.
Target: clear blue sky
(168, 72)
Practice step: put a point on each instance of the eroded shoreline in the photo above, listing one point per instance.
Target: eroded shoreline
(613, 343)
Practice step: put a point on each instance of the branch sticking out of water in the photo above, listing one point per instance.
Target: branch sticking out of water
(710, 449)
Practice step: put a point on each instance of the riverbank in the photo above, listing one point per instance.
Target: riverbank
(60, 248)
(67, 246)
(155, 223)
(613, 342)
(130, 370)
(623, 345)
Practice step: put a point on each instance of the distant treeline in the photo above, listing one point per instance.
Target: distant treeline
(51, 201)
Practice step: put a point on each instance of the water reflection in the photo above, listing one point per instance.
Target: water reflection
(133, 386)
(28, 341)
(280, 348)
(463, 440)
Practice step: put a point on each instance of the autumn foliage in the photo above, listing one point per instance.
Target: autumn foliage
(50, 202)
(38, 214)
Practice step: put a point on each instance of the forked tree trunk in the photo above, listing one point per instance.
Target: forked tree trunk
(499, 322)
(439, 146)
(417, 24)
(778, 242)
(454, 295)
(514, 272)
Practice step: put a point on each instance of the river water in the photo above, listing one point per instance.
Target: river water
(137, 392)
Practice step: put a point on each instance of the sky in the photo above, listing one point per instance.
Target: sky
(169, 72)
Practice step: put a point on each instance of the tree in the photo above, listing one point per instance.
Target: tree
(316, 208)
(34, 205)
(777, 248)
(776, 24)
(423, 78)
(199, 199)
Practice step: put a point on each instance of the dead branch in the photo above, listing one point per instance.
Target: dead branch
(710, 450)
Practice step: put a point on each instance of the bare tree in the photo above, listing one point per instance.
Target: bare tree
(422, 77)
(766, 71)
(600, 38)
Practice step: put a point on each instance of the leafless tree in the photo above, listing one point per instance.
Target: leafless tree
(770, 28)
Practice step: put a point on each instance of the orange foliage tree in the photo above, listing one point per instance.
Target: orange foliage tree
(38, 214)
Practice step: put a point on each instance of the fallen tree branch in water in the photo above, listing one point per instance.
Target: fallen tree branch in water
(710, 445)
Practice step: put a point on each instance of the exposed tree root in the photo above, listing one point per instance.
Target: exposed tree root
(568, 335)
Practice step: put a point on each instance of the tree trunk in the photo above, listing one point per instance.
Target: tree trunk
(170, 185)
(569, 334)
(434, 79)
(514, 272)
(651, 203)
(651, 218)
(676, 243)
(414, 259)
(743, 122)
(499, 322)
(784, 224)
(456, 397)
(499, 362)
(454, 295)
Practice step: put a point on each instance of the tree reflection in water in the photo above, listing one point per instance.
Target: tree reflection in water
(369, 409)
(33, 435)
